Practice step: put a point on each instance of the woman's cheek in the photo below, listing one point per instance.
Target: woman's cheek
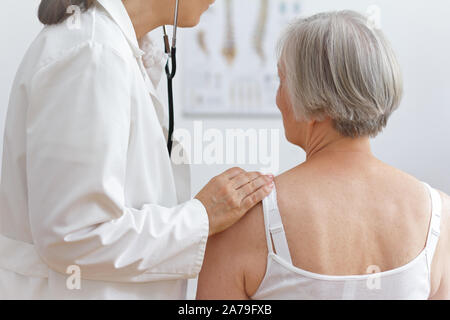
(278, 99)
(282, 99)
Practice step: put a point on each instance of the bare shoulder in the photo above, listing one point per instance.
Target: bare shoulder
(445, 203)
(244, 236)
(235, 259)
(445, 218)
(441, 262)
(445, 228)
(409, 188)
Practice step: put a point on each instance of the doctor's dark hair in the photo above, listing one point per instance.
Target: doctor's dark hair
(55, 11)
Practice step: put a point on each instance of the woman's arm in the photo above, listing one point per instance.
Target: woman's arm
(443, 290)
(222, 274)
(235, 260)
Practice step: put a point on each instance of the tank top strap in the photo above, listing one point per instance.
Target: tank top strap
(435, 224)
(274, 227)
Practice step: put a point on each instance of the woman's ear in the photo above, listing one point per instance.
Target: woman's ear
(310, 125)
(322, 121)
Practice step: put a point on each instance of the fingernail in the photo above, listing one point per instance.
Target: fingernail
(268, 188)
(271, 176)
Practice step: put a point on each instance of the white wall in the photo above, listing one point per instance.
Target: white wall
(18, 27)
(417, 139)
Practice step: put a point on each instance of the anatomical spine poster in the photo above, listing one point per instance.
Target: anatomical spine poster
(230, 61)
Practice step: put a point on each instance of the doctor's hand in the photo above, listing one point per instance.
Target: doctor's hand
(230, 195)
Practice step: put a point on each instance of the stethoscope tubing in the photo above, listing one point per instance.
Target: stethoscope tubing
(170, 73)
(170, 76)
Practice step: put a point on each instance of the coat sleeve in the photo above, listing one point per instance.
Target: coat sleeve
(78, 129)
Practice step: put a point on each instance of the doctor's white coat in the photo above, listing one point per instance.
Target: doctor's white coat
(86, 179)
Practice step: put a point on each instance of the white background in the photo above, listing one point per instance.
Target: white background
(417, 139)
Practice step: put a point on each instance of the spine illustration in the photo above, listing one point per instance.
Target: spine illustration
(258, 40)
(229, 49)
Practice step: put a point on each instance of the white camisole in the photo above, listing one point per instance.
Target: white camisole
(285, 281)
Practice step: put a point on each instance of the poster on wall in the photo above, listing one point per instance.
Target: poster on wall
(230, 60)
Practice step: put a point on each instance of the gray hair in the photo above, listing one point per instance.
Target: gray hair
(337, 65)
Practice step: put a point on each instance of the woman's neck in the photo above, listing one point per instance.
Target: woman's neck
(147, 15)
(339, 144)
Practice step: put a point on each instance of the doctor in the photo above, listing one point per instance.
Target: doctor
(91, 205)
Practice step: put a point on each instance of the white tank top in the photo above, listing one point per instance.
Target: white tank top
(285, 281)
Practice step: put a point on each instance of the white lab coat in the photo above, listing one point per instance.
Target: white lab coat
(86, 177)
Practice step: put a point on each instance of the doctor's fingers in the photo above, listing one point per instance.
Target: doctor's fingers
(244, 178)
(254, 185)
(256, 197)
(232, 173)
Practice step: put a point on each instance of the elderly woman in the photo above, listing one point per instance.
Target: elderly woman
(343, 224)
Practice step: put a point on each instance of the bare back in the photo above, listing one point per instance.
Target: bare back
(346, 213)
(341, 219)
(341, 214)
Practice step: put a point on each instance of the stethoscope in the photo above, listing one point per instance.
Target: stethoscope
(171, 51)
